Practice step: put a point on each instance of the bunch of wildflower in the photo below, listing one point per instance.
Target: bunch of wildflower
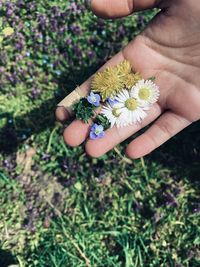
(124, 97)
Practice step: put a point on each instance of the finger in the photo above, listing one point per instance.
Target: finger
(114, 136)
(76, 133)
(62, 113)
(168, 125)
(120, 8)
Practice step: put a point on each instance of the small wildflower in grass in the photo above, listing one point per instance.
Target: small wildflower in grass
(97, 131)
(8, 31)
(94, 99)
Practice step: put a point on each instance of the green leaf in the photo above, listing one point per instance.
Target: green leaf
(84, 110)
(100, 119)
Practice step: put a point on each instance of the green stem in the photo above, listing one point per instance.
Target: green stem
(144, 169)
(50, 139)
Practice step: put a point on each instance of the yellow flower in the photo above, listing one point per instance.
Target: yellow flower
(112, 80)
(107, 82)
(8, 31)
(124, 67)
(131, 79)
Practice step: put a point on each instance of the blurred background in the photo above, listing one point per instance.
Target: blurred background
(58, 207)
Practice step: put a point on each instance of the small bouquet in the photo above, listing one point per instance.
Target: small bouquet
(118, 97)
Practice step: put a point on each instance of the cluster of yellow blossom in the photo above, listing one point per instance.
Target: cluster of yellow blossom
(112, 80)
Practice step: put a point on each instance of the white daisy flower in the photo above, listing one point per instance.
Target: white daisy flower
(131, 110)
(126, 111)
(112, 114)
(146, 92)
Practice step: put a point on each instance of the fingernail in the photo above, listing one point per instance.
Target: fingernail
(88, 3)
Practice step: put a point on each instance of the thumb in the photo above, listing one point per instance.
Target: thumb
(120, 8)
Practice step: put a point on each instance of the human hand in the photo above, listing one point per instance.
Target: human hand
(169, 49)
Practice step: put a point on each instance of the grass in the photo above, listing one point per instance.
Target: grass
(106, 212)
(60, 208)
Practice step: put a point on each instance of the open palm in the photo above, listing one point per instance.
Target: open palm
(169, 49)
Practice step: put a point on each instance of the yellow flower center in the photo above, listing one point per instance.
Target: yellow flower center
(131, 104)
(116, 112)
(144, 93)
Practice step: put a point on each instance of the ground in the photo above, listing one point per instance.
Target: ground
(59, 207)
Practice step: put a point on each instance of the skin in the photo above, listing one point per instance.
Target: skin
(169, 48)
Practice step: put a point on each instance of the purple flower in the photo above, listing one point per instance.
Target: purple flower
(20, 2)
(77, 51)
(170, 200)
(196, 210)
(94, 99)
(68, 41)
(96, 131)
(35, 93)
(19, 46)
(46, 157)
(9, 12)
(112, 101)
(75, 29)
(91, 54)
(8, 164)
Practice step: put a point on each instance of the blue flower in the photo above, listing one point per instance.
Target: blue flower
(96, 131)
(112, 101)
(94, 99)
